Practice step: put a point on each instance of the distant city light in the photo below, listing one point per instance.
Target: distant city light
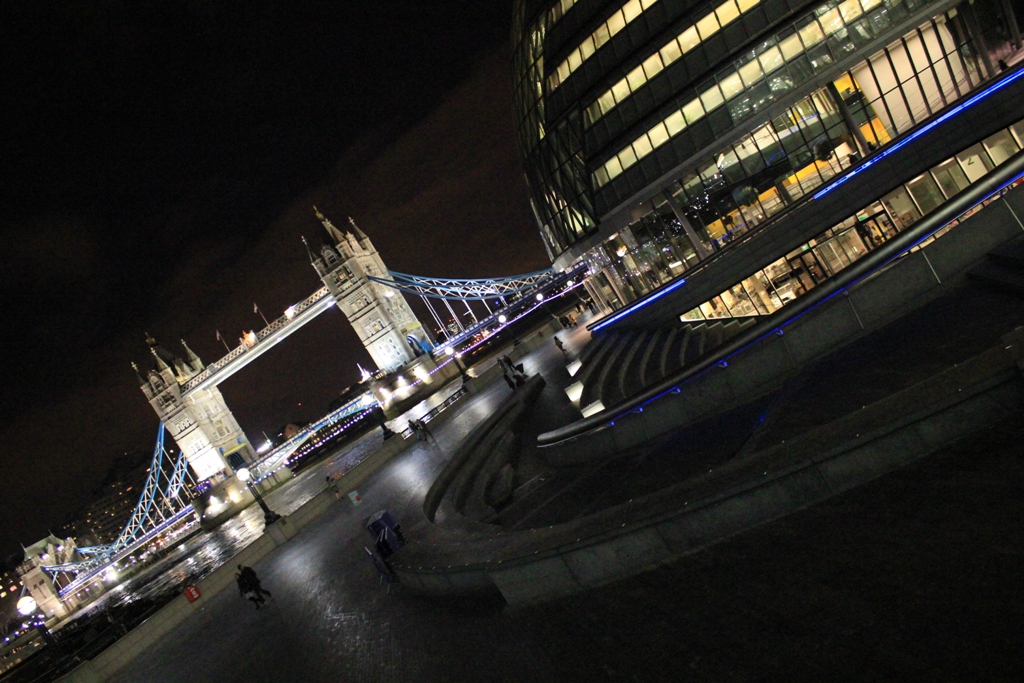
(502, 318)
(289, 312)
(265, 447)
(540, 297)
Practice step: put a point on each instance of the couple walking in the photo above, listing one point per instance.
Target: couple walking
(249, 586)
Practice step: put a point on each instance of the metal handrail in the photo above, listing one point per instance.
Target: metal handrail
(903, 242)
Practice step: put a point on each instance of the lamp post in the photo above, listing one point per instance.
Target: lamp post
(449, 351)
(269, 516)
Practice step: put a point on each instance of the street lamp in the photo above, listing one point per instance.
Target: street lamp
(502, 319)
(449, 351)
(26, 608)
(269, 516)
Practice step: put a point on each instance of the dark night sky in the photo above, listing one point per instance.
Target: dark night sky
(159, 161)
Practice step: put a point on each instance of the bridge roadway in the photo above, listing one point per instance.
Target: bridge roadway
(913, 576)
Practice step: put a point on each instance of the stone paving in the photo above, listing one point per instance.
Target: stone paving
(912, 577)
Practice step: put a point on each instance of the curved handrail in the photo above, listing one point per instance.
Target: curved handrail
(999, 178)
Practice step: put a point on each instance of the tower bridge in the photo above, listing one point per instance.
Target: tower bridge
(185, 396)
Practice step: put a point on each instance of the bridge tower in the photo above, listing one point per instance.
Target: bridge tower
(380, 315)
(201, 424)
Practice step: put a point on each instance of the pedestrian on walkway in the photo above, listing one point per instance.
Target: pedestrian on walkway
(249, 586)
(428, 436)
(508, 380)
(561, 346)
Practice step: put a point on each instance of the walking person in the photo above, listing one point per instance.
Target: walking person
(561, 346)
(249, 586)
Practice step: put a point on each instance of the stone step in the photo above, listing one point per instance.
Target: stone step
(716, 333)
(629, 372)
(730, 330)
(595, 384)
(696, 347)
(670, 343)
(1010, 254)
(993, 274)
(594, 362)
(652, 357)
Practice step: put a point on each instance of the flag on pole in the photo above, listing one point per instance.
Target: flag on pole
(255, 308)
(218, 335)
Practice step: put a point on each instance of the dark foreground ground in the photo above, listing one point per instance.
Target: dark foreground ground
(914, 577)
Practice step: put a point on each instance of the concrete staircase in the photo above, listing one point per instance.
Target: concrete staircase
(618, 365)
(1003, 269)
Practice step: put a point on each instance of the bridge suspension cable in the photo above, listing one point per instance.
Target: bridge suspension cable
(163, 504)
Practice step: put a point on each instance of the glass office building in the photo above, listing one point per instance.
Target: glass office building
(655, 132)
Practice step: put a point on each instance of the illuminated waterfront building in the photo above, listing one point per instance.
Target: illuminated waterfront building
(657, 134)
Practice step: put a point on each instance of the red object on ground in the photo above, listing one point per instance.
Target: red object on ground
(192, 593)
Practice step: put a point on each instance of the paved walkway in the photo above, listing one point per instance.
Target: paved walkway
(913, 577)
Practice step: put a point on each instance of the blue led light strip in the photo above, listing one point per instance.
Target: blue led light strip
(639, 304)
(921, 131)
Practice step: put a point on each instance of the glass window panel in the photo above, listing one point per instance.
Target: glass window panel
(771, 59)
(636, 78)
(1001, 146)
(950, 177)
(710, 175)
(693, 111)
(675, 122)
(710, 98)
(850, 10)
(727, 12)
(601, 176)
(575, 59)
(791, 46)
(652, 65)
(751, 73)
(811, 34)
(587, 47)
(648, 3)
(627, 157)
(869, 4)
(602, 35)
(658, 135)
(632, 10)
(606, 102)
(614, 167)
(748, 4)
(689, 39)
(1018, 132)
(616, 23)
(707, 26)
(731, 86)
(780, 81)
(975, 163)
(642, 146)
(620, 90)
(671, 52)
(831, 21)
(901, 208)
(926, 192)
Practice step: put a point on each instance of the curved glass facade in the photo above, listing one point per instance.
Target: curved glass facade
(653, 132)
